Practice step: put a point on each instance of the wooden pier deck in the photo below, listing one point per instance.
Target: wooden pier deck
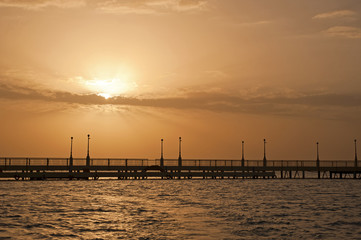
(66, 168)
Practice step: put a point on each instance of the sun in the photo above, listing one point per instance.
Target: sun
(108, 88)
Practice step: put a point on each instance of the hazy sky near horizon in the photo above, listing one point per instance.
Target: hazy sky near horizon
(214, 72)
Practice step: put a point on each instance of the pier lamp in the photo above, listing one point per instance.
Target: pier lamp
(318, 163)
(161, 153)
(355, 152)
(88, 156)
(264, 153)
(242, 153)
(71, 152)
(180, 152)
(318, 156)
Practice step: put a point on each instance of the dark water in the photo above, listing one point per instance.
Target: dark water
(181, 209)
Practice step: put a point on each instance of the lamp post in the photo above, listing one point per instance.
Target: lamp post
(355, 152)
(180, 153)
(242, 153)
(71, 153)
(161, 153)
(88, 156)
(318, 156)
(264, 153)
(318, 163)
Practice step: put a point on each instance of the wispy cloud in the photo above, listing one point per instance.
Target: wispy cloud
(344, 31)
(112, 6)
(186, 5)
(243, 23)
(341, 30)
(335, 14)
(306, 104)
(217, 74)
(256, 23)
(39, 4)
(149, 6)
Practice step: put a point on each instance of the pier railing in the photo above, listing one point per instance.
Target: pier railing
(170, 162)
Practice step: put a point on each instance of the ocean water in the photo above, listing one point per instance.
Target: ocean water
(181, 209)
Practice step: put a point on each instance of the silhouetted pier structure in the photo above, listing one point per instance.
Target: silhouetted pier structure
(77, 168)
(130, 168)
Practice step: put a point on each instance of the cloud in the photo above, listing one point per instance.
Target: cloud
(244, 23)
(112, 6)
(216, 101)
(256, 23)
(149, 6)
(335, 14)
(39, 4)
(344, 31)
(217, 74)
(185, 5)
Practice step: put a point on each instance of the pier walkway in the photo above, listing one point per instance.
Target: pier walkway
(119, 168)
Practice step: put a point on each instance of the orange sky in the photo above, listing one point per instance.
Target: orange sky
(214, 72)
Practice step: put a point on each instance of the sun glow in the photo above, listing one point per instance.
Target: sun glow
(109, 88)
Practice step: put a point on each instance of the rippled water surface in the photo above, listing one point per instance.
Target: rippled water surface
(181, 209)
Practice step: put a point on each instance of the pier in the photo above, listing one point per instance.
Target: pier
(142, 168)
(123, 169)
